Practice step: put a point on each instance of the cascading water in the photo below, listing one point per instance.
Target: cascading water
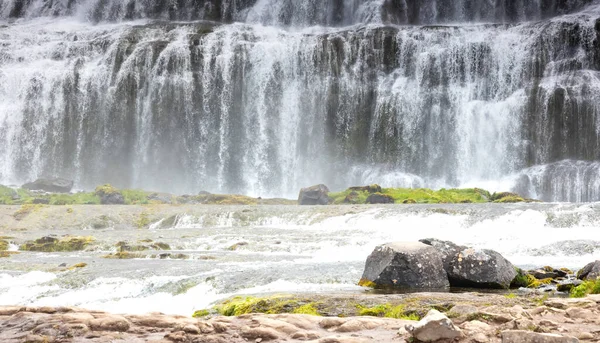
(147, 94)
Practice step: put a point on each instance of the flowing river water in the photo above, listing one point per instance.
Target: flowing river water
(284, 249)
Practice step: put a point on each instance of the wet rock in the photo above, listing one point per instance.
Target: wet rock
(379, 198)
(404, 265)
(52, 244)
(314, 195)
(468, 267)
(522, 336)
(434, 327)
(53, 185)
(591, 271)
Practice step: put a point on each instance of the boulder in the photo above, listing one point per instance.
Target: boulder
(370, 188)
(522, 336)
(404, 265)
(469, 267)
(314, 195)
(591, 271)
(433, 327)
(109, 195)
(54, 185)
(379, 198)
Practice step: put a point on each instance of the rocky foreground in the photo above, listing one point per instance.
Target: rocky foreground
(467, 317)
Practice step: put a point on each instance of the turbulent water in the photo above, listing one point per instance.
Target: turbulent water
(263, 97)
(289, 249)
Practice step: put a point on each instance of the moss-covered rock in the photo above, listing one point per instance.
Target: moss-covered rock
(124, 255)
(379, 198)
(7, 254)
(272, 305)
(109, 195)
(3, 245)
(359, 195)
(52, 244)
(587, 287)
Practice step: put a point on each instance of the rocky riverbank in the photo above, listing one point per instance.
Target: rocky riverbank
(476, 317)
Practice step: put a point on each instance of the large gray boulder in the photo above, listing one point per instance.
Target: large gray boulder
(54, 185)
(469, 267)
(314, 195)
(591, 271)
(404, 265)
(433, 327)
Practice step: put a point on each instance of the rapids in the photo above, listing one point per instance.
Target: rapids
(289, 249)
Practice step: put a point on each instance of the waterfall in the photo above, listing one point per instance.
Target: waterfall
(264, 97)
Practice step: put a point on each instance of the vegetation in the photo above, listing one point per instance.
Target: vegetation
(587, 287)
(388, 311)
(359, 195)
(353, 195)
(272, 305)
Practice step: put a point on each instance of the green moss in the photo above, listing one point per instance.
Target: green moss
(106, 189)
(51, 244)
(388, 311)
(143, 221)
(510, 296)
(587, 287)
(272, 305)
(418, 195)
(367, 283)
(307, 309)
(521, 280)
(3, 245)
(201, 313)
(81, 198)
(509, 200)
(135, 196)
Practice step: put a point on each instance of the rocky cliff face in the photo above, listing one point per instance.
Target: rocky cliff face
(177, 105)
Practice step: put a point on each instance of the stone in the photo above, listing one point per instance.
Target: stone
(433, 327)
(52, 185)
(564, 303)
(584, 336)
(370, 188)
(379, 198)
(581, 313)
(109, 195)
(404, 265)
(469, 267)
(110, 323)
(567, 285)
(591, 271)
(522, 336)
(314, 195)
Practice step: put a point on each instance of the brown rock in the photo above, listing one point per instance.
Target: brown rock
(564, 303)
(521, 336)
(259, 332)
(582, 313)
(110, 323)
